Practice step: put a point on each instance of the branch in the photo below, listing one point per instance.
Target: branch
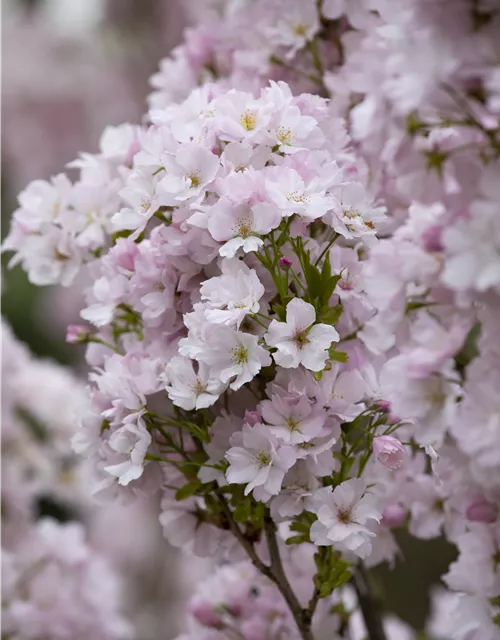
(274, 571)
(301, 616)
(240, 536)
(369, 605)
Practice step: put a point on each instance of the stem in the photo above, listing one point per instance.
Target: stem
(328, 246)
(369, 605)
(301, 616)
(313, 602)
(274, 571)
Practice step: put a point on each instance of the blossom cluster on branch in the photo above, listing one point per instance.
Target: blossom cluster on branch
(293, 318)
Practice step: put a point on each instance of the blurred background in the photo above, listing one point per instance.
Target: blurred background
(71, 67)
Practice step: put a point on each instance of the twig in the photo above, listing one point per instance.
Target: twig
(301, 616)
(240, 536)
(274, 571)
(313, 602)
(368, 604)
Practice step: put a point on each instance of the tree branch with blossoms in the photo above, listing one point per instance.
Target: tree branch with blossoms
(293, 307)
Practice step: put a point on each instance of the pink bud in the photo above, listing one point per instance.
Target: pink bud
(393, 515)
(285, 263)
(204, 613)
(76, 333)
(431, 239)
(252, 417)
(384, 406)
(481, 511)
(389, 451)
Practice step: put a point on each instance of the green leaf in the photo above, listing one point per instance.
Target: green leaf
(337, 356)
(243, 511)
(188, 490)
(197, 431)
(326, 271)
(344, 577)
(297, 539)
(469, 349)
(303, 527)
(314, 280)
(330, 315)
(329, 285)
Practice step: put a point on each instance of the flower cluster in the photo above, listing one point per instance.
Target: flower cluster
(54, 583)
(292, 321)
(56, 586)
(237, 601)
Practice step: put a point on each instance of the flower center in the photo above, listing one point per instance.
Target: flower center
(198, 387)
(195, 179)
(263, 459)
(240, 354)
(306, 445)
(351, 213)
(299, 29)
(145, 204)
(300, 338)
(295, 196)
(292, 424)
(248, 120)
(244, 227)
(344, 516)
(284, 136)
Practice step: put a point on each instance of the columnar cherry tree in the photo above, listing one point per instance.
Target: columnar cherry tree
(294, 318)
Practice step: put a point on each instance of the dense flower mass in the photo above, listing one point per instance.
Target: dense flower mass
(54, 583)
(293, 317)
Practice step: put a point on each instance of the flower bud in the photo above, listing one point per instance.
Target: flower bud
(393, 515)
(384, 406)
(203, 611)
(389, 451)
(252, 417)
(285, 263)
(76, 334)
(481, 511)
(431, 239)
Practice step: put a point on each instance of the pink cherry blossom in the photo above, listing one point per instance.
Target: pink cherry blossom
(299, 340)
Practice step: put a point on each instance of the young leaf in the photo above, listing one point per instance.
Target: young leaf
(188, 490)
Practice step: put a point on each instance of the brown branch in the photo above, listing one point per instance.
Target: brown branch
(368, 604)
(275, 571)
(301, 616)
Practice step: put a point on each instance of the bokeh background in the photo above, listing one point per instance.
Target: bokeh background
(71, 67)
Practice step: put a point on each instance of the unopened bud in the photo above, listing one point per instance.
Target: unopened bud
(285, 263)
(384, 406)
(393, 515)
(203, 611)
(431, 239)
(252, 417)
(76, 334)
(481, 511)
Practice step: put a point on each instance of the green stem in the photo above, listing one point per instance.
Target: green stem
(332, 241)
